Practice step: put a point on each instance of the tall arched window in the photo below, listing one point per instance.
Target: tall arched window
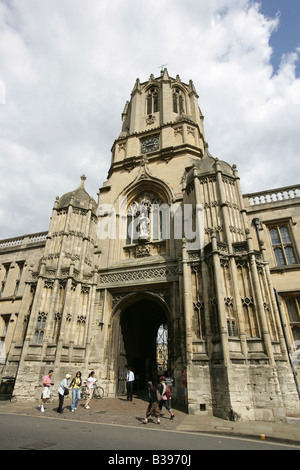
(152, 101)
(178, 101)
(162, 355)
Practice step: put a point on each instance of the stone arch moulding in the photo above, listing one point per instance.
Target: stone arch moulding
(132, 336)
(134, 297)
(152, 185)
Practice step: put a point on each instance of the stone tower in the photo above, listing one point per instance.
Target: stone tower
(168, 243)
(216, 296)
(60, 296)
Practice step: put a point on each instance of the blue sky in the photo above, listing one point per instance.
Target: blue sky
(66, 72)
(287, 37)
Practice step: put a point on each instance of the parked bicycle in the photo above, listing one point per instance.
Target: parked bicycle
(98, 392)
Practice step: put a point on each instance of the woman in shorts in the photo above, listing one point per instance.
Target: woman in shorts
(46, 392)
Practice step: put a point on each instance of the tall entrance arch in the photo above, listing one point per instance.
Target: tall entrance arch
(137, 321)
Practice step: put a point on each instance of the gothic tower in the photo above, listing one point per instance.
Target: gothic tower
(168, 247)
(215, 295)
(58, 312)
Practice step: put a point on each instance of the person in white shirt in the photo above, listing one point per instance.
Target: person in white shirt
(63, 390)
(90, 383)
(129, 384)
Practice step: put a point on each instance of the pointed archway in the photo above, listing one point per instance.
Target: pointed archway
(137, 320)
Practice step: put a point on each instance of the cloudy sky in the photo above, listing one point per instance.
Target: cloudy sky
(67, 68)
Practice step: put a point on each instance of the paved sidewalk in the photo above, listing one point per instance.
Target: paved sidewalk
(117, 411)
(281, 432)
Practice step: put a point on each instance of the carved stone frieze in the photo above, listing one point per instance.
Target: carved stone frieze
(163, 272)
(143, 250)
(72, 257)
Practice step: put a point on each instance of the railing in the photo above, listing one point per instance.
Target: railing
(24, 240)
(272, 195)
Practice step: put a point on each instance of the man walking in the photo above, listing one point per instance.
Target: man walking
(153, 403)
(129, 384)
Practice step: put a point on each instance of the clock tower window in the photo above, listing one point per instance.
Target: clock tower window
(178, 101)
(152, 101)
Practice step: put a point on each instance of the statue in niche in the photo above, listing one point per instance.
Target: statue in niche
(144, 225)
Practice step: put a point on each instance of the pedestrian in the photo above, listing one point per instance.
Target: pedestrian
(90, 383)
(164, 398)
(129, 384)
(63, 390)
(46, 392)
(76, 384)
(154, 398)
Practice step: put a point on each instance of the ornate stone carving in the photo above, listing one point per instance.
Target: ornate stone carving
(81, 319)
(150, 119)
(85, 289)
(48, 284)
(139, 275)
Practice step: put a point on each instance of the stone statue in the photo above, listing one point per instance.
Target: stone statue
(144, 226)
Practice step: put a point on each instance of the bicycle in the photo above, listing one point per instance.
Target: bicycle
(98, 392)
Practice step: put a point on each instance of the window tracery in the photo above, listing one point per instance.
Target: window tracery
(282, 245)
(152, 101)
(178, 101)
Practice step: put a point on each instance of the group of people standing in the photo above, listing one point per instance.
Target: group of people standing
(158, 395)
(64, 389)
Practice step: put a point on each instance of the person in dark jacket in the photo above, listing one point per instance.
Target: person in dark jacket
(153, 403)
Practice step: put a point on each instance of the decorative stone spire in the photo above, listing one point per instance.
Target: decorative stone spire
(83, 178)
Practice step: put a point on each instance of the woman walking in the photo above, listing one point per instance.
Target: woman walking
(90, 383)
(76, 384)
(164, 398)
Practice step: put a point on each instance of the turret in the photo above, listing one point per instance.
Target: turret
(162, 114)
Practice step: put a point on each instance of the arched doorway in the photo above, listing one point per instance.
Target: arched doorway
(137, 323)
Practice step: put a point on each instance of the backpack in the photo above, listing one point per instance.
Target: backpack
(158, 395)
(168, 392)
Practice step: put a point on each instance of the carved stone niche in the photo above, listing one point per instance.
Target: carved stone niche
(143, 250)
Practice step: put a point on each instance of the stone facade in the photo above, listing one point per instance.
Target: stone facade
(171, 241)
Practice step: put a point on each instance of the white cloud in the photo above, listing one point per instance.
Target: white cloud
(68, 67)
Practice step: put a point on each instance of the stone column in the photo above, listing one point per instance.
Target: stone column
(274, 303)
(199, 211)
(224, 206)
(90, 318)
(259, 301)
(61, 338)
(188, 302)
(220, 299)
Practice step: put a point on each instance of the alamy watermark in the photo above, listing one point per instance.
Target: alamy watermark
(149, 222)
(2, 92)
(2, 353)
(295, 357)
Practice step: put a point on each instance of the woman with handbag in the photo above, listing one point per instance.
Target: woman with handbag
(164, 396)
(63, 390)
(76, 384)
